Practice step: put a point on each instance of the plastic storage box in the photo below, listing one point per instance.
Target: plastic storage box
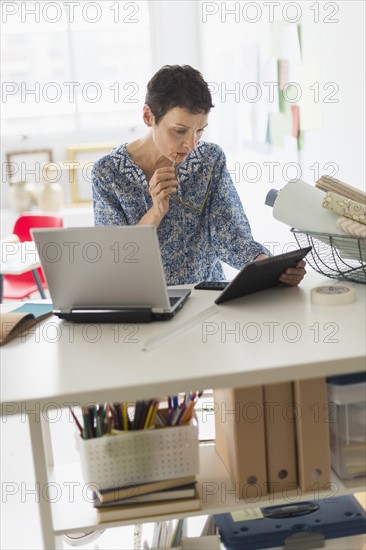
(347, 422)
(140, 456)
(298, 525)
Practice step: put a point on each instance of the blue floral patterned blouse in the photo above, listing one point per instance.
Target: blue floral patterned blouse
(192, 241)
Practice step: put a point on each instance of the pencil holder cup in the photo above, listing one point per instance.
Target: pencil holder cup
(141, 456)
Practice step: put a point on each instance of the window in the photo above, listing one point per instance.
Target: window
(73, 66)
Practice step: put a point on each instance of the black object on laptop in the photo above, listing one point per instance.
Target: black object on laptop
(107, 274)
(261, 274)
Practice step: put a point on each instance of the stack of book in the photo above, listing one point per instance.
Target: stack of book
(149, 499)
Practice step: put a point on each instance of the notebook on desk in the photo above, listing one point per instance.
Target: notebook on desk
(107, 274)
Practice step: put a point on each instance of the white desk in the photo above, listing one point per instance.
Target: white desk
(18, 258)
(267, 337)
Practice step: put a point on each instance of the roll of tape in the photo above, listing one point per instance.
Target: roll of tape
(333, 295)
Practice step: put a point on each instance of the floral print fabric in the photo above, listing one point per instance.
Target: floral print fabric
(192, 242)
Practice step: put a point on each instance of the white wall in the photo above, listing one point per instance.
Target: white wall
(339, 49)
(175, 37)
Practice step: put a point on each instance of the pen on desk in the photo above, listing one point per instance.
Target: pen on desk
(155, 341)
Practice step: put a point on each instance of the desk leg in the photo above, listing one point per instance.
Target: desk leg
(40, 469)
(47, 440)
(39, 284)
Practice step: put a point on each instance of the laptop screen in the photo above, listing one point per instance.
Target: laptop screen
(103, 267)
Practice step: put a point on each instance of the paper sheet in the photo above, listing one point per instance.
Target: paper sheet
(310, 104)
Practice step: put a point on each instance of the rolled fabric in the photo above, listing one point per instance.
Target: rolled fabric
(299, 205)
(327, 183)
(345, 207)
(351, 227)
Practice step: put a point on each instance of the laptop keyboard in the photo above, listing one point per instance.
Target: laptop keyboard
(173, 300)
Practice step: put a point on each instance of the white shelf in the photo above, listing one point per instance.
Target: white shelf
(73, 512)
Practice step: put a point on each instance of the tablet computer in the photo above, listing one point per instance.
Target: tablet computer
(260, 275)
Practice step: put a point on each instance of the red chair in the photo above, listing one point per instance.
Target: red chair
(17, 287)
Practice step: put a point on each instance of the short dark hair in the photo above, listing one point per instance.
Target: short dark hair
(178, 86)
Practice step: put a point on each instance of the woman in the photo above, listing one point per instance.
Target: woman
(171, 179)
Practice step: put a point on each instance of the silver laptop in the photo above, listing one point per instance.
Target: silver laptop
(107, 274)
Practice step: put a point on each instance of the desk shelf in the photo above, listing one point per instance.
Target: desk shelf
(214, 484)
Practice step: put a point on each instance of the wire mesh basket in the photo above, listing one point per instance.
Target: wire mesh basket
(336, 256)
